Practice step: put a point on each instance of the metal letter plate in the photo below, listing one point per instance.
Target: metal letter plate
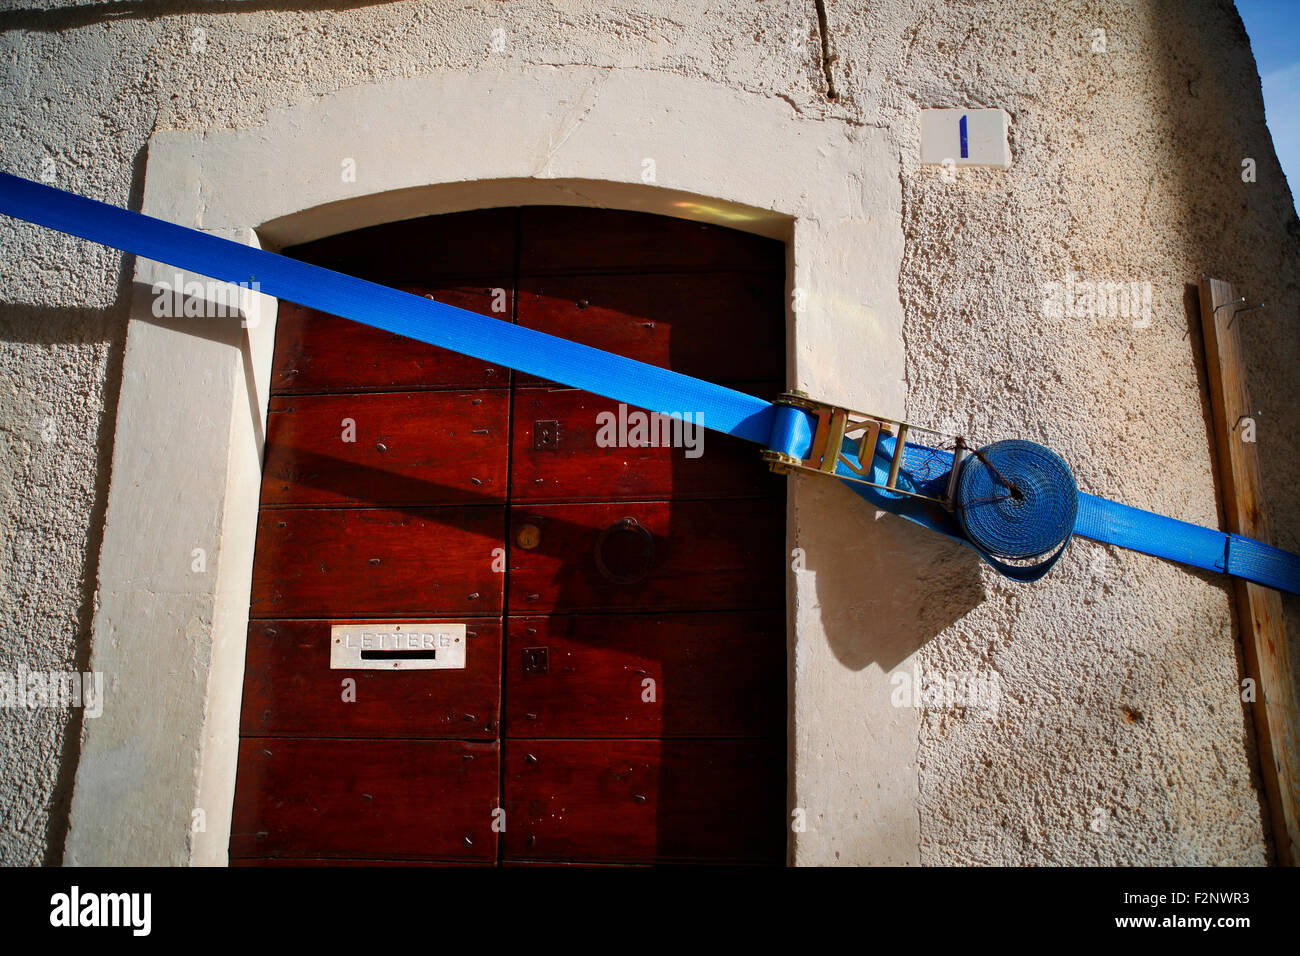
(397, 646)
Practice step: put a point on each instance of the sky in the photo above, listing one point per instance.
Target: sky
(1274, 29)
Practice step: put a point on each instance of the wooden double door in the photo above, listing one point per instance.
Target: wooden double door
(623, 698)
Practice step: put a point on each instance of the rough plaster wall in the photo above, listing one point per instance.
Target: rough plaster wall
(61, 329)
(1117, 177)
(1119, 673)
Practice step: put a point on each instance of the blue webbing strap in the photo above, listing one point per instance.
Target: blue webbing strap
(1098, 518)
(1186, 543)
(721, 409)
(413, 316)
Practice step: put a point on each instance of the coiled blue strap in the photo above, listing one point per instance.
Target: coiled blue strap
(925, 470)
(1038, 529)
(777, 427)
(1017, 501)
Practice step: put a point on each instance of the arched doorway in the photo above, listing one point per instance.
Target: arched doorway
(623, 694)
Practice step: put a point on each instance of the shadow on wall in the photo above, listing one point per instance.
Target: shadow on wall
(81, 15)
(869, 618)
(50, 326)
(223, 331)
(24, 324)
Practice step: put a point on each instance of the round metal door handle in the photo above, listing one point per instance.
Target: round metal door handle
(625, 526)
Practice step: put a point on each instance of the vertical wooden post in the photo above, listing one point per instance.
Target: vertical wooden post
(1259, 609)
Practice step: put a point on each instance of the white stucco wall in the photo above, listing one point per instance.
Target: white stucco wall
(1118, 674)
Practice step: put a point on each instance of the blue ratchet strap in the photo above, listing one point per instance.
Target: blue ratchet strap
(980, 520)
(776, 427)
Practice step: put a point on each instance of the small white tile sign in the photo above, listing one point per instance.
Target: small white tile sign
(966, 137)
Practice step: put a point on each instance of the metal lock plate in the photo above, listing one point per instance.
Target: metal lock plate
(546, 435)
(536, 660)
(397, 645)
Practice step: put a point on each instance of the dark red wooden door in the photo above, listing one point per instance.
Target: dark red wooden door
(623, 697)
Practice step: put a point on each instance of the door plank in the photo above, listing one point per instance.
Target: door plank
(394, 799)
(291, 691)
(337, 563)
(722, 327)
(318, 353)
(409, 448)
(558, 239)
(645, 800)
(480, 241)
(319, 863)
(717, 674)
(578, 468)
(707, 555)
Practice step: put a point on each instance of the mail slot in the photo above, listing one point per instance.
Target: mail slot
(388, 645)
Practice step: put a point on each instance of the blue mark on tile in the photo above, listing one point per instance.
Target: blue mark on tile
(965, 148)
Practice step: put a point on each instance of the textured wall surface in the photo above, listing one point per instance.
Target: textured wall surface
(1118, 735)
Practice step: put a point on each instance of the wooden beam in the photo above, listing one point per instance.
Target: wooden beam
(1259, 609)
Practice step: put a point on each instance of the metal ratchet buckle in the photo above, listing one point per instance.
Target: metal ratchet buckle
(828, 449)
